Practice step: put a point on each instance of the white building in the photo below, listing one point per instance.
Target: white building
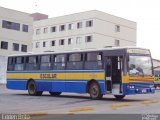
(85, 30)
(15, 35)
(90, 29)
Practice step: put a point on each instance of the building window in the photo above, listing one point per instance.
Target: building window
(117, 42)
(44, 44)
(78, 40)
(70, 41)
(25, 28)
(11, 25)
(4, 45)
(45, 30)
(15, 47)
(70, 26)
(88, 38)
(117, 28)
(79, 25)
(53, 43)
(61, 42)
(37, 44)
(38, 31)
(53, 29)
(24, 48)
(89, 23)
(62, 28)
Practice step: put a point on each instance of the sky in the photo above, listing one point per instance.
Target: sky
(145, 12)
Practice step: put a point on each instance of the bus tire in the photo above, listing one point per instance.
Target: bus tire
(55, 93)
(94, 91)
(32, 89)
(119, 97)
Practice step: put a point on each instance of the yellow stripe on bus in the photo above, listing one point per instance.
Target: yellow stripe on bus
(59, 76)
(127, 79)
(77, 76)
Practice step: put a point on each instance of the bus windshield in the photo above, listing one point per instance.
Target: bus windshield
(140, 65)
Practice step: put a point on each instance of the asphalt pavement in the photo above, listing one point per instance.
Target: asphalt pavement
(19, 102)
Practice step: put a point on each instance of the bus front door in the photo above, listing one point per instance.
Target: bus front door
(113, 74)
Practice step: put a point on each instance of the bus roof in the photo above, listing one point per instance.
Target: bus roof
(77, 50)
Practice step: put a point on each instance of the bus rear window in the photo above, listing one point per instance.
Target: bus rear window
(93, 56)
(75, 62)
(19, 60)
(59, 62)
(93, 61)
(75, 57)
(10, 64)
(19, 63)
(32, 59)
(10, 61)
(45, 62)
(45, 59)
(32, 63)
(60, 58)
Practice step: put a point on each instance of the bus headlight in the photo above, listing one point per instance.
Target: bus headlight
(131, 86)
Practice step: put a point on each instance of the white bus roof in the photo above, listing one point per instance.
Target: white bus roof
(76, 50)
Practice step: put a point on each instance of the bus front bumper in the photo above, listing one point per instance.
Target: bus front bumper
(138, 89)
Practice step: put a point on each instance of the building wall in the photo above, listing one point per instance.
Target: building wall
(127, 33)
(13, 36)
(103, 31)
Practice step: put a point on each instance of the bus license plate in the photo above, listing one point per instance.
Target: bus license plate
(144, 91)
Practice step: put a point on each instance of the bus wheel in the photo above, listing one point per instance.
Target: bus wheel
(119, 97)
(32, 90)
(94, 91)
(55, 93)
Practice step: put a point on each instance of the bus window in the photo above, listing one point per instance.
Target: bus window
(10, 64)
(93, 61)
(75, 62)
(59, 62)
(32, 63)
(45, 62)
(19, 63)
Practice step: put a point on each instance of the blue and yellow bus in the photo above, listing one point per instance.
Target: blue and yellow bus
(115, 71)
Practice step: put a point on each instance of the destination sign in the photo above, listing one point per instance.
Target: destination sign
(139, 51)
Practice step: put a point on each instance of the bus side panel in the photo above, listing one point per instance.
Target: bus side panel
(102, 87)
(16, 84)
(44, 85)
(50, 85)
(138, 88)
(58, 86)
(78, 86)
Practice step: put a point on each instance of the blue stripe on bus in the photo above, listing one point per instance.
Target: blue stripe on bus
(55, 85)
